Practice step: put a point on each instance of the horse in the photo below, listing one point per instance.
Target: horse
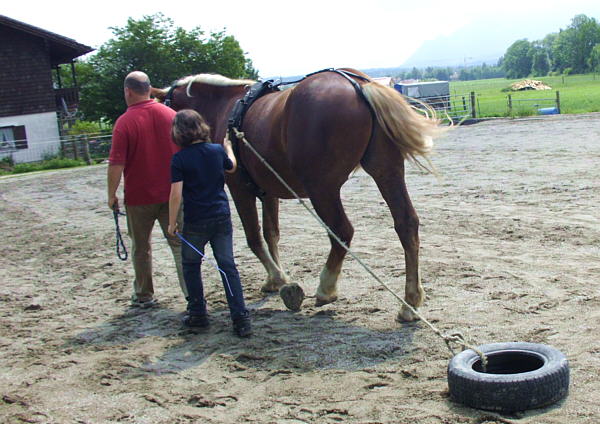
(314, 135)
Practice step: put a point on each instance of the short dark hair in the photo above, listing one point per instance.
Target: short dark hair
(138, 86)
(189, 126)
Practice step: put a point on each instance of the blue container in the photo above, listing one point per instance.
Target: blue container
(548, 111)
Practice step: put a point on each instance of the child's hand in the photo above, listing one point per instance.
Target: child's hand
(173, 229)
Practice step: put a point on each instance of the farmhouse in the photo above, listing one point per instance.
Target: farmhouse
(30, 103)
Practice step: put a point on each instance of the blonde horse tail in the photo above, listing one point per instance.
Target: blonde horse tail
(412, 131)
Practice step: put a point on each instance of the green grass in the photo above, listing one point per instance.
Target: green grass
(55, 163)
(578, 94)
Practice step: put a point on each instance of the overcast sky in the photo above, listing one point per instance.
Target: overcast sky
(291, 38)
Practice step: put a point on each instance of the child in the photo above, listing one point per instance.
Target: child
(197, 173)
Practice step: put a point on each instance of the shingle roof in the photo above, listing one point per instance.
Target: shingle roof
(62, 49)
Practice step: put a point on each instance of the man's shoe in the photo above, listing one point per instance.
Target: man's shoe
(136, 303)
(195, 321)
(242, 327)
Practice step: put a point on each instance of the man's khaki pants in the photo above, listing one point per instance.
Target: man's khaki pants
(140, 221)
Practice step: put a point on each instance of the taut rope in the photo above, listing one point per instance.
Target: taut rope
(457, 338)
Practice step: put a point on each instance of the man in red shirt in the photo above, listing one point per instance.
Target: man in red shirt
(141, 151)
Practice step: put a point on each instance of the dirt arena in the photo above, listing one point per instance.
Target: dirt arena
(510, 251)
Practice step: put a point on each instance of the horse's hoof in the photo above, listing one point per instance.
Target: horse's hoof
(271, 286)
(292, 296)
(406, 315)
(321, 302)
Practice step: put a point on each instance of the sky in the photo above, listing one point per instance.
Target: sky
(285, 38)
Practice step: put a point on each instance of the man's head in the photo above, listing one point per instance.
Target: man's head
(136, 87)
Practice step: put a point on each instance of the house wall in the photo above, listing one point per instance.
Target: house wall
(25, 74)
(42, 136)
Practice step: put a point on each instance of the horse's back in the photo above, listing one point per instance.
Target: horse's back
(313, 134)
(327, 125)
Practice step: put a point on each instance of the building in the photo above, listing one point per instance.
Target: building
(30, 103)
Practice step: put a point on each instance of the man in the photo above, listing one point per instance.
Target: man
(141, 151)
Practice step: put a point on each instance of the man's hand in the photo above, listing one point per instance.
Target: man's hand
(113, 203)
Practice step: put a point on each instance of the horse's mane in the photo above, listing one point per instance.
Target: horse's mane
(210, 79)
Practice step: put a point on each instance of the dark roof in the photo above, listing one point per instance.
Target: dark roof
(62, 49)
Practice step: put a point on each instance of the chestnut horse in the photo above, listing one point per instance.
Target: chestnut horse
(314, 135)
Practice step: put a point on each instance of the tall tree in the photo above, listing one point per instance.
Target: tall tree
(154, 45)
(540, 62)
(594, 60)
(518, 59)
(573, 46)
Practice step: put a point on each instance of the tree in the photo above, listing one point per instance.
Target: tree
(573, 46)
(541, 63)
(165, 52)
(518, 59)
(594, 60)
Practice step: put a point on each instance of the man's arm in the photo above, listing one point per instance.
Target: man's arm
(114, 175)
(230, 155)
(174, 205)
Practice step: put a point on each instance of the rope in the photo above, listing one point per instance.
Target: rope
(457, 337)
(120, 245)
(204, 257)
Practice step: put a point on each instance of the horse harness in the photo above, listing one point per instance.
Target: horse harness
(256, 91)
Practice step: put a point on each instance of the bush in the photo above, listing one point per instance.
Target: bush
(56, 163)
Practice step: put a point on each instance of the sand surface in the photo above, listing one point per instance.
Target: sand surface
(510, 251)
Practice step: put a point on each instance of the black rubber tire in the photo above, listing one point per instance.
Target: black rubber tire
(520, 376)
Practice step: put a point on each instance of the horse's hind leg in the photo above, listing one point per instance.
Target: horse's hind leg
(385, 164)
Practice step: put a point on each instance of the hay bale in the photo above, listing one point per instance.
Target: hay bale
(529, 85)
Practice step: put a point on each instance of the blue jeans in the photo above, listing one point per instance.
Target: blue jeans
(218, 231)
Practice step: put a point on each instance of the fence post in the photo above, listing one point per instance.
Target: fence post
(510, 105)
(473, 109)
(86, 149)
(75, 142)
(558, 101)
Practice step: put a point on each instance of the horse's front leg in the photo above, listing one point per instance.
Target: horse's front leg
(245, 203)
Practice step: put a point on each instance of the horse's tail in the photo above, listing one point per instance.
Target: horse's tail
(412, 131)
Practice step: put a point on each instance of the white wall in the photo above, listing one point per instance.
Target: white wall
(42, 135)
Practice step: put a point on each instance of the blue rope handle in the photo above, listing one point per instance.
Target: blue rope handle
(204, 257)
(120, 245)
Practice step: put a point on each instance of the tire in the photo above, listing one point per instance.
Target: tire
(520, 376)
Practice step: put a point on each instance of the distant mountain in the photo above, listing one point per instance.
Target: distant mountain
(486, 40)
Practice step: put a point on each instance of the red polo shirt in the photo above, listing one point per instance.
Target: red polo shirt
(142, 142)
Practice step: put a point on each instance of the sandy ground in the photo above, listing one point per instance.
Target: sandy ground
(510, 252)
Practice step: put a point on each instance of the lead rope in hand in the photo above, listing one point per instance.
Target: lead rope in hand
(120, 245)
(457, 337)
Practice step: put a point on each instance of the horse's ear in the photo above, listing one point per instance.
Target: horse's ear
(158, 94)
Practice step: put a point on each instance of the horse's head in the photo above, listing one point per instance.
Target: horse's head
(210, 95)
(159, 94)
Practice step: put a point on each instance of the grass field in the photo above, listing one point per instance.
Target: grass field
(578, 94)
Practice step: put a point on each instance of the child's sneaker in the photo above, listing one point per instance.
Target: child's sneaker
(195, 321)
(242, 327)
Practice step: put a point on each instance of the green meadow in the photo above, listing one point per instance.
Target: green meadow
(578, 94)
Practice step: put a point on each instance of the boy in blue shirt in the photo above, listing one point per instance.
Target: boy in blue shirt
(197, 175)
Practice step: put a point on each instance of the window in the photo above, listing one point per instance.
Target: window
(12, 138)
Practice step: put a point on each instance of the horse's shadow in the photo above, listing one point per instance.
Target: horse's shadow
(282, 342)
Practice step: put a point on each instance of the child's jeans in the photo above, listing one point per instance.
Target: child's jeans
(217, 231)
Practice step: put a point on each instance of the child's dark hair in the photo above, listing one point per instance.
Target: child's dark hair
(189, 126)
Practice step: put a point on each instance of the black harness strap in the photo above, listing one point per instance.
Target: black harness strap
(169, 96)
